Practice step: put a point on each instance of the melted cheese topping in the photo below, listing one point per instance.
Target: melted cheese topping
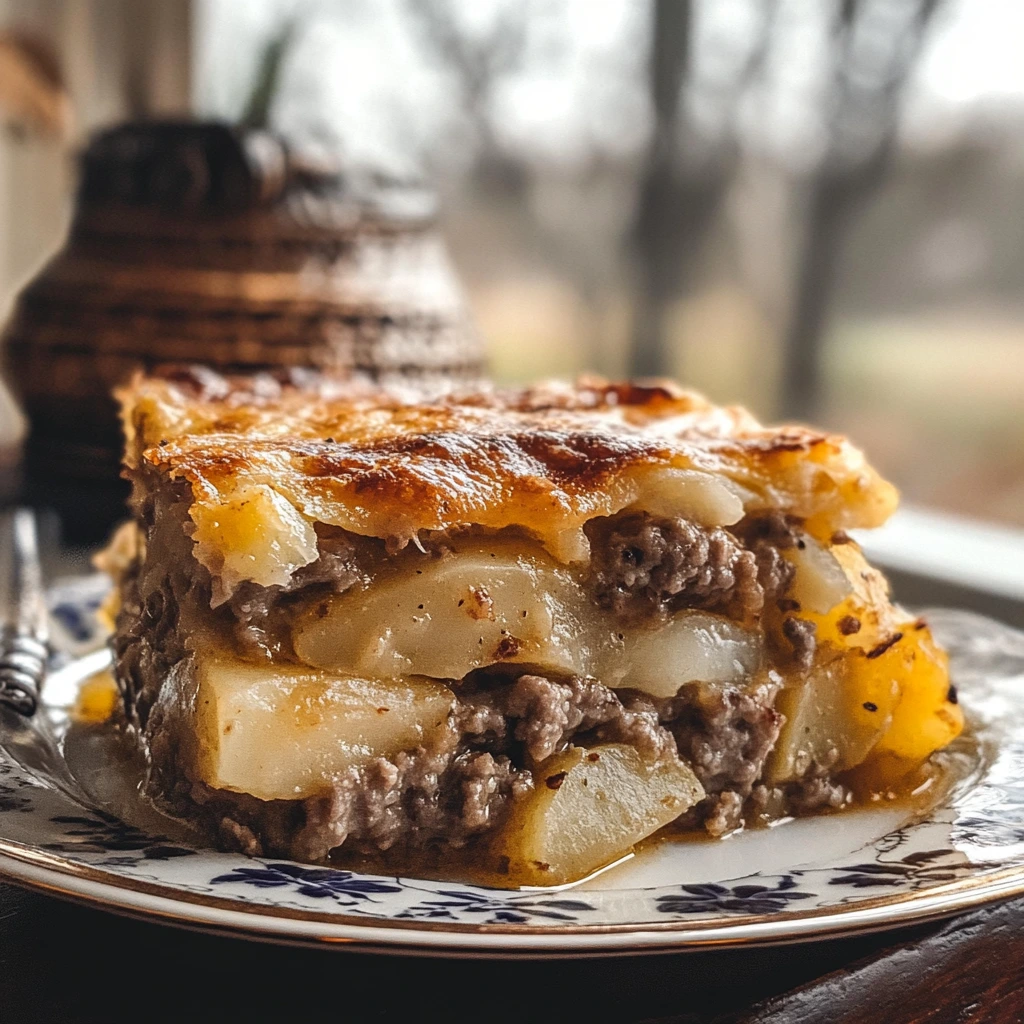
(546, 459)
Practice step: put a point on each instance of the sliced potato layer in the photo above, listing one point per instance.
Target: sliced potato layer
(692, 647)
(257, 535)
(449, 616)
(281, 732)
(590, 807)
(495, 605)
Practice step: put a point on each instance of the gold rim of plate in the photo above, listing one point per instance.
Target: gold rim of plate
(55, 875)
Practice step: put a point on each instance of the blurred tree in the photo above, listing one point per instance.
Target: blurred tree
(874, 45)
(479, 62)
(688, 170)
(661, 235)
(709, 65)
(690, 166)
(566, 220)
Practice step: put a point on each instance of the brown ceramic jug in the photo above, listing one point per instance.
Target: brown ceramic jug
(198, 242)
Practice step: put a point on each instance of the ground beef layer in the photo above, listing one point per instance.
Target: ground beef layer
(464, 784)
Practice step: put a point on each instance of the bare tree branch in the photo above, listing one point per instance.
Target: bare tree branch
(875, 53)
(480, 63)
(685, 178)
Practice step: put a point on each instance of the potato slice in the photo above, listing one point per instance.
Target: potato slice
(820, 581)
(589, 807)
(833, 718)
(692, 646)
(449, 617)
(494, 605)
(257, 535)
(281, 732)
(706, 498)
(866, 613)
(893, 700)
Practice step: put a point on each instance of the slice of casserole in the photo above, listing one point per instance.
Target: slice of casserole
(541, 623)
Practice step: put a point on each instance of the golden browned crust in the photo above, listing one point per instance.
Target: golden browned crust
(389, 464)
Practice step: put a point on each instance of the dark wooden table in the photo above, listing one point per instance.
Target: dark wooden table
(68, 964)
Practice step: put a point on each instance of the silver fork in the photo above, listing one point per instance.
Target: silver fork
(27, 735)
(25, 633)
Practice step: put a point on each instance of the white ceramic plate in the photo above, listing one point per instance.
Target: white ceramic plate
(808, 879)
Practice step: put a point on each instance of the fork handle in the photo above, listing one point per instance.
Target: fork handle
(23, 634)
(22, 667)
